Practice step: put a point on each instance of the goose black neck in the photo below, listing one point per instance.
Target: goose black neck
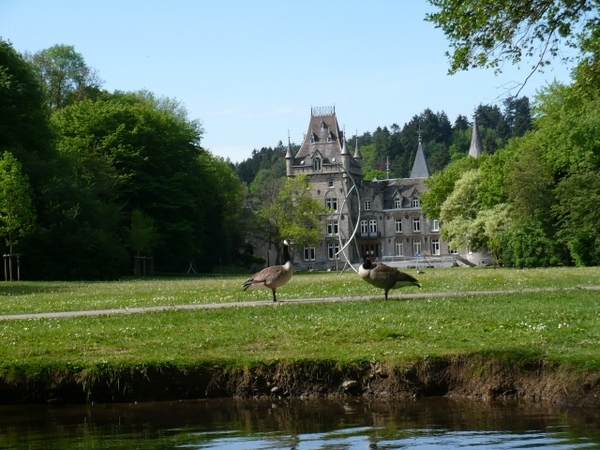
(286, 254)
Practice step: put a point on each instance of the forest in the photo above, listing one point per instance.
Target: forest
(91, 181)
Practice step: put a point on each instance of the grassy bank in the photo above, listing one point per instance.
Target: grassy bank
(38, 297)
(557, 328)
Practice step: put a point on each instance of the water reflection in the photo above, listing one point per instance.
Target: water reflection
(297, 424)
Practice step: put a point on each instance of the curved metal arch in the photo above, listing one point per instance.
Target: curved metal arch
(351, 238)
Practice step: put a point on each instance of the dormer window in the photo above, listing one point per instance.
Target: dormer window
(317, 164)
(397, 203)
(329, 137)
(312, 138)
(323, 126)
(415, 202)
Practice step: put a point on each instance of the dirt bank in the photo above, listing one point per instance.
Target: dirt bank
(473, 377)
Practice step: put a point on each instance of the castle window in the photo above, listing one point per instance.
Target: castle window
(364, 227)
(399, 248)
(367, 205)
(397, 203)
(329, 137)
(416, 225)
(398, 225)
(317, 164)
(330, 182)
(332, 249)
(331, 203)
(309, 253)
(415, 202)
(313, 138)
(417, 248)
(372, 226)
(435, 246)
(332, 227)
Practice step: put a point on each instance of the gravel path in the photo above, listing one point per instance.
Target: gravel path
(101, 312)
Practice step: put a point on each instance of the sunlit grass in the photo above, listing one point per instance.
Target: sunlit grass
(36, 297)
(561, 326)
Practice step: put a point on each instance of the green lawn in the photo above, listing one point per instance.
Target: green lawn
(560, 325)
(36, 297)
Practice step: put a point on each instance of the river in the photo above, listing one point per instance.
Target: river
(351, 423)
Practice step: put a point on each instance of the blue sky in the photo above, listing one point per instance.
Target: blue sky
(251, 70)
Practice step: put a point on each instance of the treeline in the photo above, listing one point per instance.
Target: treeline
(536, 201)
(443, 142)
(109, 176)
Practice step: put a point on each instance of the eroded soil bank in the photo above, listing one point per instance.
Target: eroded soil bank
(472, 377)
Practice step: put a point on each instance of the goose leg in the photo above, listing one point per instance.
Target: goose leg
(274, 296)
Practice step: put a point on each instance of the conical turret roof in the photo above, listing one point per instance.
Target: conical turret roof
(420, 167)
(476, 147)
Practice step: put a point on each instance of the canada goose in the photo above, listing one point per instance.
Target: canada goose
(384, 277)
(274, 276)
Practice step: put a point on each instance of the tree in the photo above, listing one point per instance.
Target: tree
(578, 215)
(152, 152)
(17, 216)
(64, 74)
(529, 185)
(528, 245)
(486, 33)
(142, 238)
(142, 232)
(287, 210)
(459, 212)
(441, 184)
(517, 114)
(24, 124)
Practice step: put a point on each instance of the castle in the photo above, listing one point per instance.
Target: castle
(379, 218)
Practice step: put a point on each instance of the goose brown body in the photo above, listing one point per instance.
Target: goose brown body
(273, 277)
(385, 277)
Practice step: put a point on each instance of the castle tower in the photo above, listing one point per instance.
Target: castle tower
(476, 147)
(289, 159)
(323, 149)
(357, 153)
(324, 158)
(420, 167)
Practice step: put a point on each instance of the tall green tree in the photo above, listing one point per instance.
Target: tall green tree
(459, 212)
(441, 184)
(142, 232)
(24, 119)
(17, 215)
(517, 115)
(146, 152)
(487, 33)
(287, 210)
(64, 74)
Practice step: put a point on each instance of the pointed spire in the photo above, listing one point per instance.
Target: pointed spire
(344, 147)
(289, 154)
(476, 147)
(387, 167)
(420, 167)
(357, 154)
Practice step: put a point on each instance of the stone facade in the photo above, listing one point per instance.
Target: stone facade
(382, 218)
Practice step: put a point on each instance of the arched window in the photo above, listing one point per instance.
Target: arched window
(317, 164)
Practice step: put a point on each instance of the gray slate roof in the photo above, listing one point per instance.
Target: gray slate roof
(476, 147)
(420, 167)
